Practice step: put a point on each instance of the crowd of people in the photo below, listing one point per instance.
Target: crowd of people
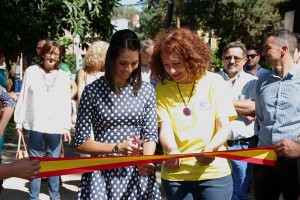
(135, 94)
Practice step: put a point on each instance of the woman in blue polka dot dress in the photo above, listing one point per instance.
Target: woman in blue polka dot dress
(118, 107)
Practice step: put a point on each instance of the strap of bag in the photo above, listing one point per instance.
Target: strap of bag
(19, 142)
(21, 138)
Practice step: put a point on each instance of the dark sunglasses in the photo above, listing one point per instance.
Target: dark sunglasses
(251, 56)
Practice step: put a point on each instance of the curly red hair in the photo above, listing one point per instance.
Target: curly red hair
(188, 44)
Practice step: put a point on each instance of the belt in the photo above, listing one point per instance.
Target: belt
(243, 141)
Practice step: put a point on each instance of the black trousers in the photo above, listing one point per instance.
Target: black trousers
(269, 182)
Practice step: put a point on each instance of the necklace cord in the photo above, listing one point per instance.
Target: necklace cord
(182, 96)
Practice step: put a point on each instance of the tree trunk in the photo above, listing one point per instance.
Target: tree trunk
(169, 15)
(178, 21)
(192, 15)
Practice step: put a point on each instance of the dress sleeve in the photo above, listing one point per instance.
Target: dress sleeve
(150, 129)
(5, 98)
(84, 117)
(19, 114)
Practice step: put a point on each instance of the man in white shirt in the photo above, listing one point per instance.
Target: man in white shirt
(241, 136)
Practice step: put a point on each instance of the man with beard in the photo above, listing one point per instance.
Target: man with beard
(277, 108)
(241, 135)
(252, 66)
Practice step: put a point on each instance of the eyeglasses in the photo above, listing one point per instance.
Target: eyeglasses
(251, 56)
(236, 59)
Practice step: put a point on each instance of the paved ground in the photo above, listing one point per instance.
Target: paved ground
(17, 189)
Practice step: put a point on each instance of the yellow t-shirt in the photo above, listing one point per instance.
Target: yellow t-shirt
(210, 100)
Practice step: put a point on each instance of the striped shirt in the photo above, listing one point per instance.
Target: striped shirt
(277, 107)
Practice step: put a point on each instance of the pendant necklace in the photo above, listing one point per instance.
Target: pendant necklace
(186, 110)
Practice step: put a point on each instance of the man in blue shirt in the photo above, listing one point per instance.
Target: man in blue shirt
(252, 66)
(277, 108)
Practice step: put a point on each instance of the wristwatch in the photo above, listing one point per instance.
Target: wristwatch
(116, 148)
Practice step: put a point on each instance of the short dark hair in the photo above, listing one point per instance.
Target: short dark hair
(253, 47)
(284, 37)
(123, 39)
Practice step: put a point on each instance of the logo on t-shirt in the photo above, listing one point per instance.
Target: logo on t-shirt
(204, 104)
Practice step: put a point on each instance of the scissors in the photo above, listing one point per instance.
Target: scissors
(138, 141)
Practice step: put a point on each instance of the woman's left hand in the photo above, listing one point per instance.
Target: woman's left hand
(67, 137)
(146, 169)
(203, 159)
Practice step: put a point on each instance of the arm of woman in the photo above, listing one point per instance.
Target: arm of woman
(148, 149)
(95, 147)
(8, 109)
(21, 106)
(8, 112)
(221, 136)
(81, 82)
(73, 87)
(168, 142)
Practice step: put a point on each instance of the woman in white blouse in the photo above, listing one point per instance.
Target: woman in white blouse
(43, 111)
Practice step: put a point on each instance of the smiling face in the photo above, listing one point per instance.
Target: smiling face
(233, 61)
(272, 52)
(175, 65)
(51, 58)
(125, 64)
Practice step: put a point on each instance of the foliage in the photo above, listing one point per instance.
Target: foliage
(240, 20)
(230, 20)
(216, 62)
(124, 12)
(70, 60)
(151, 22)
(24, 22)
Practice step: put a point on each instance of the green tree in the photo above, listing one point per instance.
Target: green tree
(227, 20)
(124, 12)
(152, 21)
(239, 20)
(24, 22)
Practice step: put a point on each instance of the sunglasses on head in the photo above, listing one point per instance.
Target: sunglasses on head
(251, 56)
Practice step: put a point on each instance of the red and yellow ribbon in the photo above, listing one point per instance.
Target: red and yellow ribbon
(76, 165)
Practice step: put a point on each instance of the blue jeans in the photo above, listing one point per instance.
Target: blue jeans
(241, 173)
(35, 141)
(212, 189)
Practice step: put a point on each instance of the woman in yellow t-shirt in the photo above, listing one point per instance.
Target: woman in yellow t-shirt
(194, 109)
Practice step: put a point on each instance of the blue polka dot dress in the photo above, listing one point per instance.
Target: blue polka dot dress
(114, 119)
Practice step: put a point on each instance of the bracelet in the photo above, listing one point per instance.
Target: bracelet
(171, 149)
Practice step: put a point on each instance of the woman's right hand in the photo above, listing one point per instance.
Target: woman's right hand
(173, 163)
(129, 148)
